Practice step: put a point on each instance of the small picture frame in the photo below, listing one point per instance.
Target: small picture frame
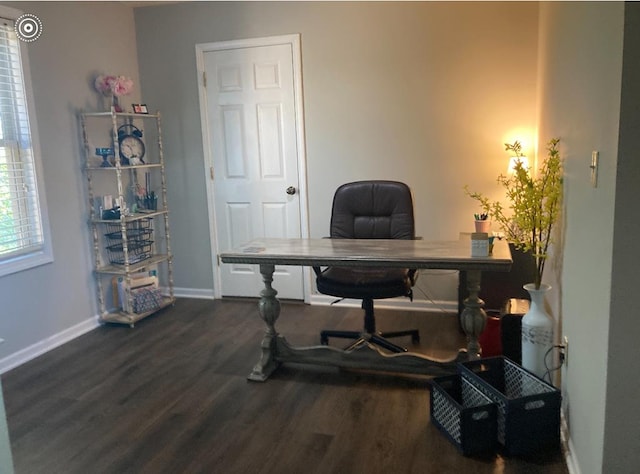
(140, 108)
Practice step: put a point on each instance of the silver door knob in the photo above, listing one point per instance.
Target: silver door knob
(291, 190)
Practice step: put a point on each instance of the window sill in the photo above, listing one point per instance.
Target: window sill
(25, 262)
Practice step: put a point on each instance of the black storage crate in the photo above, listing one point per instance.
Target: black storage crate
(528, 407)
(464, 414)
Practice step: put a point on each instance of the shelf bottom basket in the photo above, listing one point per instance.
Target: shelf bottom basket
(121, 317)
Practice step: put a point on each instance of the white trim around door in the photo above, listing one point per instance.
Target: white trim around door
(294, 41)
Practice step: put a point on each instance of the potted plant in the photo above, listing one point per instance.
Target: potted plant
(528, 223)
(534, 204)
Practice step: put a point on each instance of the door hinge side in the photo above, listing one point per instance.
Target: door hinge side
(204, 79)
(211, 172)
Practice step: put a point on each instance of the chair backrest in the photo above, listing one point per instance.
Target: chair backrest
(372, 210)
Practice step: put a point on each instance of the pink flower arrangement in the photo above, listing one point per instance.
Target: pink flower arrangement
(113, 85)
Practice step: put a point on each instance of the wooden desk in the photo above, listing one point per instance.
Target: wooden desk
(454, 255)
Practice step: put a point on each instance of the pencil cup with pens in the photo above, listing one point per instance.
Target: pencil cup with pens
(151, 201)
(483, 224)
(148, 199)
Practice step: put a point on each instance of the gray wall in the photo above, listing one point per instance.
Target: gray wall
(621, 434)
(79, 40)
(581, 54)
(425, 93)
(6, 459)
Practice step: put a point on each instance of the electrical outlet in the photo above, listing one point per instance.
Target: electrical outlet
(564, 352)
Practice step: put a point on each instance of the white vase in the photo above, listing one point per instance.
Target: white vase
(537, 334)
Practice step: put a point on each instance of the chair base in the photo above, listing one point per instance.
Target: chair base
(379, 338)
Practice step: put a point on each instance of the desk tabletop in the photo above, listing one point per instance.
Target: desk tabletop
(448, 255)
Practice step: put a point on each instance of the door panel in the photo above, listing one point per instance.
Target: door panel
(252, 131)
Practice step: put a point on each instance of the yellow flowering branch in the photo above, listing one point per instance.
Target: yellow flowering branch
(534, 204)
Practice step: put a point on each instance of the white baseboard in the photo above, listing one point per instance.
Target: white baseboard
(205, 294)
(567, 446)
(417, 304)
(391, 303)
(28, 353)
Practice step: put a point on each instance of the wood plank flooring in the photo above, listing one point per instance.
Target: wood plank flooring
(171, 396)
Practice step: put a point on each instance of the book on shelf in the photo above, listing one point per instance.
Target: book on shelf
(145, 294)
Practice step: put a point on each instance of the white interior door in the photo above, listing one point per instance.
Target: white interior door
(254, 147)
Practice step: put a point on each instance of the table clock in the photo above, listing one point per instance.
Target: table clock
(131, 145)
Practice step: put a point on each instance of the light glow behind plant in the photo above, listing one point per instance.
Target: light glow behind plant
(534, 204)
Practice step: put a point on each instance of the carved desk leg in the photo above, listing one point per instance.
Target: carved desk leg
(269, 308)
(473, 317)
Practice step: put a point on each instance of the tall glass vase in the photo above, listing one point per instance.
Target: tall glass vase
(111, 100)
(115, 101)
(537, 334)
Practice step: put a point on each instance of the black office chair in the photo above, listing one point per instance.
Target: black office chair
(370, 210)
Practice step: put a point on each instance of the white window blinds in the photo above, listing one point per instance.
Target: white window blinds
(21, 229)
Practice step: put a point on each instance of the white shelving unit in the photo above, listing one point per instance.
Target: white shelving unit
(134, 240)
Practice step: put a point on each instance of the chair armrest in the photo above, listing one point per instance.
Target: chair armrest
(413, 275)
(318, 270)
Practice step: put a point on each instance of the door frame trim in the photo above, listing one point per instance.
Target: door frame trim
(294, 41)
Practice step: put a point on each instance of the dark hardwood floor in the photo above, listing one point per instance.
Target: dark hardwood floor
(171, 396)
